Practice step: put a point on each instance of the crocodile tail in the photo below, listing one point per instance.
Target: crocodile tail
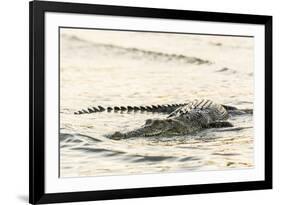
(169, 108)
(90, 110)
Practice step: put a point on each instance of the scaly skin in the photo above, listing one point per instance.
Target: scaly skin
(188, 119)
(183, 119)
(153, 108)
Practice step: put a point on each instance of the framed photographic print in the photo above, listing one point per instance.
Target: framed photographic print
(141, 102)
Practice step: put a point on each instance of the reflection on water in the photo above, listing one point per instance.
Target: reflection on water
(130, 68)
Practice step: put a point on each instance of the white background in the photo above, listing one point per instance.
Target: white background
(14, 100)
(55, 184)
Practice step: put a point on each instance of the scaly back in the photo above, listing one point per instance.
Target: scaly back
(204, 110)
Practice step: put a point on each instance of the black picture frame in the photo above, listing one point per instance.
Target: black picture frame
(37, 9)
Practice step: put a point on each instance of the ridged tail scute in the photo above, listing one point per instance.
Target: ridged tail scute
(152, 108)
(101, 108)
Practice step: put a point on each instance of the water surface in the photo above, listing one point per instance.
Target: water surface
(111, 68)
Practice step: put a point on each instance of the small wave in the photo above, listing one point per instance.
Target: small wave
(225, 69)
(77, 138)
(232, 129)
(137, 53)
(226, 154)
(189, 159)
(106, 152)
(152, 158)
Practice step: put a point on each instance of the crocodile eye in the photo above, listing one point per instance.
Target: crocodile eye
(147, 122)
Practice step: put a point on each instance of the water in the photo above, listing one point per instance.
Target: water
(111, 68)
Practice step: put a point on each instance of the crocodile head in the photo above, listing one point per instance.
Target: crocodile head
(156, 127)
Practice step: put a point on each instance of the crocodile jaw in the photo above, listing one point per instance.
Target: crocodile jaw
(152, 128)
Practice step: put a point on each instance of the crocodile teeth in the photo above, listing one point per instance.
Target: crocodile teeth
(153, 133)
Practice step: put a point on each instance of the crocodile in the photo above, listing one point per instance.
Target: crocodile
(182, 119)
